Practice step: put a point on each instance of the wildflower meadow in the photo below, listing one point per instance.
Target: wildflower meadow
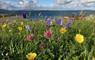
(48, 39)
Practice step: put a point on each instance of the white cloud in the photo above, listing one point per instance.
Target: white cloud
(85, 1)
(63, 1)
(61, 4)
(26, 4)
(88, 3)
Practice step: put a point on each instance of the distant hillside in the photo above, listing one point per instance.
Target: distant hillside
(8, 12)
(3, 11)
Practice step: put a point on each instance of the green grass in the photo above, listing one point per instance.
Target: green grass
(13, 45)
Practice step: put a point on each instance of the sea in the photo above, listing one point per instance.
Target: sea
(35, 14)
(43, 14)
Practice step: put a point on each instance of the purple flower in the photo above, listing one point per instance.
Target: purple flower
(69, 23)
(24, 15)
(46, 17)
(59, 22)
(48, 21)
(28, 27)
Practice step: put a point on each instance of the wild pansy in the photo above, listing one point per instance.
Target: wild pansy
(69, 23)
(46, 17)
(48, 22)
(28, 28)
(59, 22)
(24, 15)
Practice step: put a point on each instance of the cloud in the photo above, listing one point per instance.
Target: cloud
(85, 1)
(88, 3)
(6, 5)
(26, 4)
(61, 2)
(58, 4)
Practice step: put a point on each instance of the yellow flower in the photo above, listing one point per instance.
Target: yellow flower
(31, 56)
(20, 28)
(10, 30)
(79, 38)
(4, 25)
(22, 23)
(63, 30)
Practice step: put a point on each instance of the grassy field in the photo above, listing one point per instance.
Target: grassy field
(42, 40)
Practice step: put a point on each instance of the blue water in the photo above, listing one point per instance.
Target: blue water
(43, 14)
(47, 13)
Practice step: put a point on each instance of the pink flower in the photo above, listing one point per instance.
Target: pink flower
(29, 37)
(48, 34)
(41, 45)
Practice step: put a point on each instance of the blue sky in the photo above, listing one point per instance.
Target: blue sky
(73, 5)
(40, 2)
(45, 2)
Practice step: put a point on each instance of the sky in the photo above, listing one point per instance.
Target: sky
(40, 2)
(48, 3)
(45, 2)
